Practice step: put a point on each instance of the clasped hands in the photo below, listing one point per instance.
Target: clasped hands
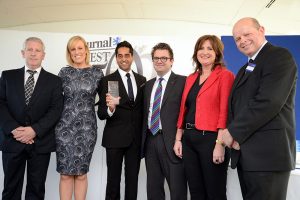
(228, 141)
(24, 134)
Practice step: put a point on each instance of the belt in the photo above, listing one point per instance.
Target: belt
(158, 132)
(189, 126)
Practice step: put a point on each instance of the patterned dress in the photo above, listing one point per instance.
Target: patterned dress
(76, 132)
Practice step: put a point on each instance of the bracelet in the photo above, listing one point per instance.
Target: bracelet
(220, 142)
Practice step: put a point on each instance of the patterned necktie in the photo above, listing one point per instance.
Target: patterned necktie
(130, 89)
(29, 86)
(154, 125)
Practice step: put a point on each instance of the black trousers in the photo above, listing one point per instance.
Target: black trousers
(14, 167)
(159, 167)
(114, 160)
(263, 185)
(206, 180)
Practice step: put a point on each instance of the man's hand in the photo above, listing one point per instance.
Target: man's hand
(112, 102)
(178, 148)
(236, 145)
(228, 140)
(24, 134)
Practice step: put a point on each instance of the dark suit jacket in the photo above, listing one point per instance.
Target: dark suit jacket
(261, 112)
(125, 125)
(168, 114)
(42, 112)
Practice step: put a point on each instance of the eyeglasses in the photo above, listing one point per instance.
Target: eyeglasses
(162, 59)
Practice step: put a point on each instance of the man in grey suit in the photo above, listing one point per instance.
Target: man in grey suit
(162, 99)
(261, 121)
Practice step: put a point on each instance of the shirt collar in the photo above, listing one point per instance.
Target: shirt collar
(38, 70)
(123, 73)
(254, 56)
(165, 77)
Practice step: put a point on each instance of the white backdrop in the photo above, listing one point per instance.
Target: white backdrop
(10, 57)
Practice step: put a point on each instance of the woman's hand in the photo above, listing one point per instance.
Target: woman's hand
(218, 153)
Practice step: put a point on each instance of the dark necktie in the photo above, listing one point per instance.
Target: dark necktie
(29, 85)
(130, 89)
(155, 116)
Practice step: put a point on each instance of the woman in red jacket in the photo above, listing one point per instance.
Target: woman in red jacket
(203, 113)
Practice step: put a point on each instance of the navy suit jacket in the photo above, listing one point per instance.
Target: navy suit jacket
(42, 112)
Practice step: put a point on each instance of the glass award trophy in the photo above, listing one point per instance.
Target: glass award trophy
(113, 88)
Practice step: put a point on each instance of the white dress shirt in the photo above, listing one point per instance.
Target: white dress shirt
(35, 75)
(164, 84)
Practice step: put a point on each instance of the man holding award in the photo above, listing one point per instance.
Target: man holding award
(121, 97)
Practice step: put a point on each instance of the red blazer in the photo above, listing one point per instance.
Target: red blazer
(211, 101)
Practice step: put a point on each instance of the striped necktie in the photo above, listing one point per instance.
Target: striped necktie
(154, 125)
(29, 85)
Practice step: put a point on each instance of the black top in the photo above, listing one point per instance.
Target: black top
(191, 102)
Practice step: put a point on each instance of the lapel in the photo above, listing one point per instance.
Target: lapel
(170, 85)
(241, 76)
(20, 78)
(39, 86)
(236, 83)
(139, 84)
(122, 90)
(148, 92)
(210, 80)
(190, 82)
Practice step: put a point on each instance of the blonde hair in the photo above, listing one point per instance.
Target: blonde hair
(71, 43)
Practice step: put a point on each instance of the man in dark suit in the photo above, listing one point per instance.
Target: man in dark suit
(261, 126)
(161, 108)
(122, 132)
(31, 102)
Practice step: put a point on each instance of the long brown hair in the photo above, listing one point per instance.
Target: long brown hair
(217, 46)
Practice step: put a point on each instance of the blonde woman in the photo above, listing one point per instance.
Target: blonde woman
(76, 132)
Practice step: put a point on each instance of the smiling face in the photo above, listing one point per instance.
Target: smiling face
(33, 53)
(162, 61)
(206, 54)
(248, 36)
(78, 54)
(124, 58)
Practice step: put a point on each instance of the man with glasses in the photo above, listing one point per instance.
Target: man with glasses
(162, 99)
